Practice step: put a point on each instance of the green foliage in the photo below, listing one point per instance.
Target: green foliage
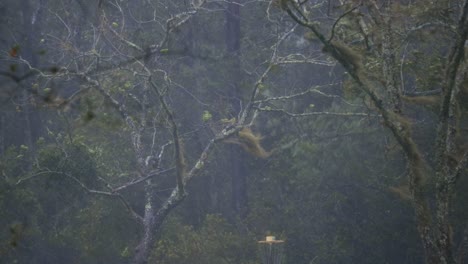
(46, 217)
(207, 116)
(329, 198)
(215, 241)
(261, 86)
(326, 194)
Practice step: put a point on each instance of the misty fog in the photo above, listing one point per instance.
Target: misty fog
(233, 131)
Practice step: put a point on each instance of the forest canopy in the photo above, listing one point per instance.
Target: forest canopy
(156, 131)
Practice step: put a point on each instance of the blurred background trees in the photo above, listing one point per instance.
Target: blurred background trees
(121, 130)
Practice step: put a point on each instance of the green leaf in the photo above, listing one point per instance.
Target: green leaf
(199, 165)
(125, 252)
(206, 116)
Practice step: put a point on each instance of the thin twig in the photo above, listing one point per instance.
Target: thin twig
(344, 114)
(332, 34)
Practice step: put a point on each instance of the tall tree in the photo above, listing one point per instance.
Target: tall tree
(125, 61)
(109, 65)
(237, 161)
(374, 58)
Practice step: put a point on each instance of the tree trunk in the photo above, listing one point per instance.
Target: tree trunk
(143, 249)
(236, 158)
(433, 225)
(152, 223)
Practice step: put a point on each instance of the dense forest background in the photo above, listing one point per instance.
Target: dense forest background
(158, 131)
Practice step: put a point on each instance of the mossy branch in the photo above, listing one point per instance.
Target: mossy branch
(332, 34)
(398, 125)
(447, 106)
(250, 142)
(178, 146)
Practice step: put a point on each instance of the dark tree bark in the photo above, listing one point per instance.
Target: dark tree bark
(236, 158)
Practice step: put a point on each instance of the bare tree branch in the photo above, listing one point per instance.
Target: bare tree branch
(345, 114)
(139, 180)
(332, 34)
(178, 149)
(46, 171)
